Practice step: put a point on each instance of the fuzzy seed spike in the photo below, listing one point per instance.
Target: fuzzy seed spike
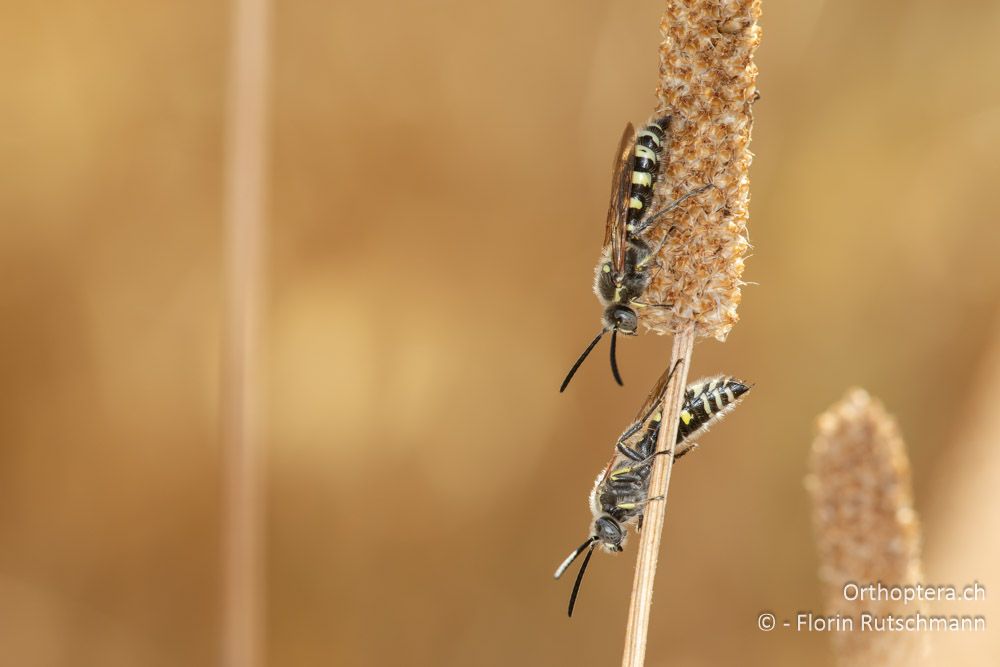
(866, 528)
(707, 87)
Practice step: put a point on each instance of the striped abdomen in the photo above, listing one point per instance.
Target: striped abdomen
(645, 167)
(706, 401)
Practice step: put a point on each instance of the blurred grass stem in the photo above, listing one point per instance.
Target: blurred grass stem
(245, 166)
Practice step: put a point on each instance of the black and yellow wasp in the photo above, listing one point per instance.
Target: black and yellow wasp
(621, 490)
(624, 270)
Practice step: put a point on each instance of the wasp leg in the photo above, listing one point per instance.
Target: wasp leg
(628, 506)
(626, 477)
(648, 461)
(648, 220)
(634, 453)
(633, 507)
(628, 452)
(640, 304)
(625, 480)
(679, 451)
(631, 430)
(643, 504)
(684, 448)
(652, 430)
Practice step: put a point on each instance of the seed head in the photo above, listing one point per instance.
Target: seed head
(867, 531)
(707, 87)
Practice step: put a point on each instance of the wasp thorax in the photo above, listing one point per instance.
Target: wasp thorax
(609, 533)
(621, 318)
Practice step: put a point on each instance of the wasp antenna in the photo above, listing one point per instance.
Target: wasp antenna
(572, 556)
(579, 580)
(579, 361)
(614, 361)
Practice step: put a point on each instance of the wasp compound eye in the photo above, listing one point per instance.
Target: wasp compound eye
(609, 531)
(625, 320)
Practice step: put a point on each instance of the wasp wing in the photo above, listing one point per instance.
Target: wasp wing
(607, 472)
(649, 407)
(621, 188)
(655, 396)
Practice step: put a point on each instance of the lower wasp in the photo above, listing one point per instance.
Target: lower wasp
(621, 491)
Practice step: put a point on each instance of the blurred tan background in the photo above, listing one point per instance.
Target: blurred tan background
(438, 185)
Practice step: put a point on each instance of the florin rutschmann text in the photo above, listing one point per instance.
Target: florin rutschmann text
(875, 595)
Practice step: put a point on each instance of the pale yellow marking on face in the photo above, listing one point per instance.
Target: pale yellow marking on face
(626, 506)
(642, 178)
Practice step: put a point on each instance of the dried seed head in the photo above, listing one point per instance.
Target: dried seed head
(866, 529)
(707, 86)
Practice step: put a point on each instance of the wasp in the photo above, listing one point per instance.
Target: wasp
(623, 272)
(621, 490)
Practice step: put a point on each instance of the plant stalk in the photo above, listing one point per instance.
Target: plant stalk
(649, 541)
(245, 181)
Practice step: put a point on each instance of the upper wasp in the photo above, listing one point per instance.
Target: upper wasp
(623, 272)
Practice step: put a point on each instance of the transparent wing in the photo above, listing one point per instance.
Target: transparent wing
(649, 406)
(621, 186)
(607, 470)
(655, 396)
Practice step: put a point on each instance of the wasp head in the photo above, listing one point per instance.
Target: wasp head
(621, 318)
(609, 533)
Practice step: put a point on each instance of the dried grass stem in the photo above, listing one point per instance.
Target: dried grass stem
(649, 541)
